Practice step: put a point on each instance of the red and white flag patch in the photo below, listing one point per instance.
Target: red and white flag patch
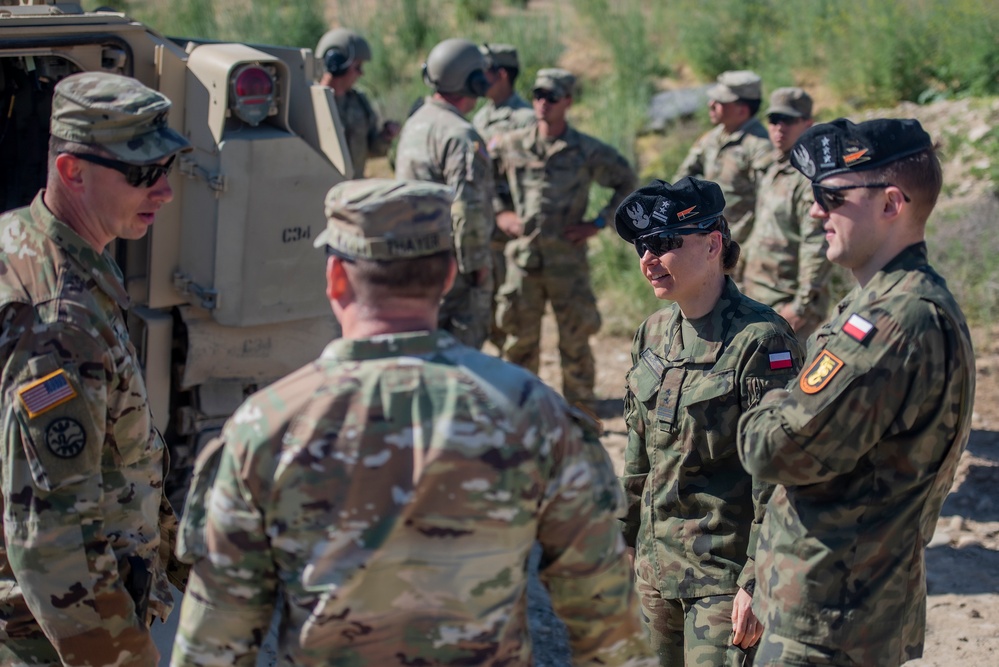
(857, 328)
(780, 360)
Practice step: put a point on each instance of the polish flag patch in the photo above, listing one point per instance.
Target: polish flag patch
(780, 360)
(857, 328)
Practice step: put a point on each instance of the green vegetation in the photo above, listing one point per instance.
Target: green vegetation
(851, 53)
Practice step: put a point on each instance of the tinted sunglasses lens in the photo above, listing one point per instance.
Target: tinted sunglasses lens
(826, 199)
(658, 245)
(149, 174)
(548, 96)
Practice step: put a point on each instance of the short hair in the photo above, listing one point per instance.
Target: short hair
(415, 278)
(919, 176)
(511, 73)
(58, 146)
(731, 250)
(754, 105)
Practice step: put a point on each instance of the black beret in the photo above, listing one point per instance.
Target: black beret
(660, 206)
(840, 146)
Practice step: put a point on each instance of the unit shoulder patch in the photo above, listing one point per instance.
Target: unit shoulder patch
(822, 370)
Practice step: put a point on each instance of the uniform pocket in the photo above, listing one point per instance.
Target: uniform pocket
(713, 403)
(191, 535)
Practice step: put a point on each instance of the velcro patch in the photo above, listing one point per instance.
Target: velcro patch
(825, 366)
(858, 328)
(42, 395)
(779, 360)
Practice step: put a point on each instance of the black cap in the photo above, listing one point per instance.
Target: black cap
(840, 146)
(660, 206)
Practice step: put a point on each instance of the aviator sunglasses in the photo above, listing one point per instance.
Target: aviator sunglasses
(661, 243)
(135, 175)
(830, 197)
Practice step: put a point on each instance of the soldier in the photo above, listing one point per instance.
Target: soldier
(693, 512)
(504, 110)
(438, 144)
(82, 570)
(786, 265)
(386, 496)
(549, 168)
(864, 445)
(735, 152)
(343, 53)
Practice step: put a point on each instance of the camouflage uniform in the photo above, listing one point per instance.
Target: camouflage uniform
(492, 120)
(786, 251)
(362, 129)
(865, 448)
(693, 512)
(735, 162)
(437, 144)
(387, 496)
(549, 184)
(82, 568)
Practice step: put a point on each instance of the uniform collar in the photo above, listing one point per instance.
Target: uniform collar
(912, 258)
(712, 329)
(97, 265)
(409, 344)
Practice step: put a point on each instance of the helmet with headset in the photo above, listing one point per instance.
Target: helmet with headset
(340, 48)
(456, 66)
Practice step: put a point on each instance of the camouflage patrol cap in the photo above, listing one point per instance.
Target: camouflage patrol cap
(736, 85)
(793, 102)
(659, 207)
(117, 113)
(556, 80)
(840, 146)
(500, 55)
(386, 219)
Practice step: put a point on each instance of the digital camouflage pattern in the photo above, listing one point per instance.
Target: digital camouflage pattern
(735, 162)
(693, 512)
(362, 129)
(437, 144)
(387, 497)
(786, 252)
(82, 465)
(119, 113)
(864, 447)
(549, 186)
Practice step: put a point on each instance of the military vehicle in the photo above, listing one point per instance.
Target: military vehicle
(227, 289)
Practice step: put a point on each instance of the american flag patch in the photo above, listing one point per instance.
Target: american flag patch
(44, 394)
(780, 360)
(857, 328)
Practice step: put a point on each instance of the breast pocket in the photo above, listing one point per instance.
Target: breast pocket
(713, 404)
(131, 426)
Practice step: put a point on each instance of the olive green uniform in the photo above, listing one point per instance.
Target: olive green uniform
(693, 512)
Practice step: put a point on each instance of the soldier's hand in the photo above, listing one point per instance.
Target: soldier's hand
(795, 320)
(578, 234)
(746, 629)
(510, 223)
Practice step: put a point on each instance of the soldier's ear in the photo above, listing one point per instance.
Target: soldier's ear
(69, 170)
(452, 273)
(337, 280)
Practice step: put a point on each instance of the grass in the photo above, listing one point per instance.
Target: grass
(851, 54)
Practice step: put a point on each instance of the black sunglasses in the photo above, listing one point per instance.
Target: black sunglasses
(830, 197)
(661, 243)
(136, 175)
(548, 96)
(781, 119)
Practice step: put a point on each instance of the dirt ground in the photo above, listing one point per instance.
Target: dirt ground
(963, 557)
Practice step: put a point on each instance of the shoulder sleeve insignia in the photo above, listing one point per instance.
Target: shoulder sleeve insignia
(858, 328)
(779, 360)
(42, 395)
(820, 372)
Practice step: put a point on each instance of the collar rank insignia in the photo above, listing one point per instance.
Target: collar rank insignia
(858, 328)
(779, 360)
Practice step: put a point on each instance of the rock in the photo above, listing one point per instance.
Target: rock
(673, 104)
(941, 538)
(966, 541)
(956, 524)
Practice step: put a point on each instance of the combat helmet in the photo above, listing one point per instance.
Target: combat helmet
(340, 48)
(456, 66)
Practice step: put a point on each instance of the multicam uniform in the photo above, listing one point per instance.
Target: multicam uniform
(491, 120)
(733, 161)
(693, 512)
(82, 465)
(362, 129)
(864, 447)
(392, 490)
(549, 183)
(437, 144)
(786, 252)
